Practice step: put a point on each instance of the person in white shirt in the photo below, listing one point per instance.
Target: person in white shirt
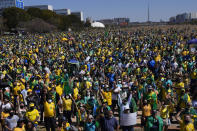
(128, 120)
(124, 103)
(24, 93)
(6, 104)
(115, 93)
(174, 65)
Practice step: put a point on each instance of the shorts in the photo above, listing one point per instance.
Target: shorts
(166, 122)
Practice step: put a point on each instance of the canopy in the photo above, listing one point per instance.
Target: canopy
(73, 61)
(98, 25)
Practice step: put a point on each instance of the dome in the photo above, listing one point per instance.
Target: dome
(98, 25)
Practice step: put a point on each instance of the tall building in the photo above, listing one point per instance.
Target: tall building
(78, 14)
(11, 3)
(63, 11)
(42, 7)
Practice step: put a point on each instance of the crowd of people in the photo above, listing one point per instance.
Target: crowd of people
(99, 80)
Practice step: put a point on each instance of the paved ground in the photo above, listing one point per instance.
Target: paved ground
(173, 127)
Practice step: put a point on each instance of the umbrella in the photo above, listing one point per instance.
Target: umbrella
(73, 61)
(193, 41)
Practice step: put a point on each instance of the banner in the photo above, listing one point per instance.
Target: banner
(128, 119)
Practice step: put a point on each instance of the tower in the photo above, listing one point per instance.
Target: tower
(148, 12)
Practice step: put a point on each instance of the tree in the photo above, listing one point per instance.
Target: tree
(15, 15)
(74, 19)
(37, 25)
(47, 15)
(65, 23)
(35, 12)
(87, 24)
(2, 27)
(75, 23)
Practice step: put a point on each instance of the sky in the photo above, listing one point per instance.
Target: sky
(136, 10)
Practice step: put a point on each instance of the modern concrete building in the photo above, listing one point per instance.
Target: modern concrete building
(172, 19)
(11, 3)
(116, 21)
(42, 7)
(180, 18)
(78, 14)
(121, 21)
(185, 17)
(193, 16)
(63, 11)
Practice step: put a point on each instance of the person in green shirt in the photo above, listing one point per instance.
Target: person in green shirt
(152, 97)
(154, 122)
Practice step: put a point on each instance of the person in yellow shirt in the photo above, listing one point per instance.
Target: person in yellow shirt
(59, 90)
(165, 114)
(88, 84)
(107, 94)
(16, 91)
(75, 91)
(32, 114)
(179, 85)
(67, 107)
(186, 124)
(4, 115)
(49, 114)
(146, 109)
(20, 126)
(146, 112)
(64, 125)
(184, 98)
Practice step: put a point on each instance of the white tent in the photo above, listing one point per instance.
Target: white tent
(98, 25)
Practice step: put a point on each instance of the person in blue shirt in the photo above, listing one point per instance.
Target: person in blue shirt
(108, 123)
(90, 124)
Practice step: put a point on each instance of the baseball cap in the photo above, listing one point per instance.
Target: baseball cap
(31, 105)
(127, 108)
(90, 117)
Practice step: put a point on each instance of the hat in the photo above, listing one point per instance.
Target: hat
(104, 101)
(63, 118)
(90, 117)
(127, 108)
(125, 85)
(31, 105)
(150, 87)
